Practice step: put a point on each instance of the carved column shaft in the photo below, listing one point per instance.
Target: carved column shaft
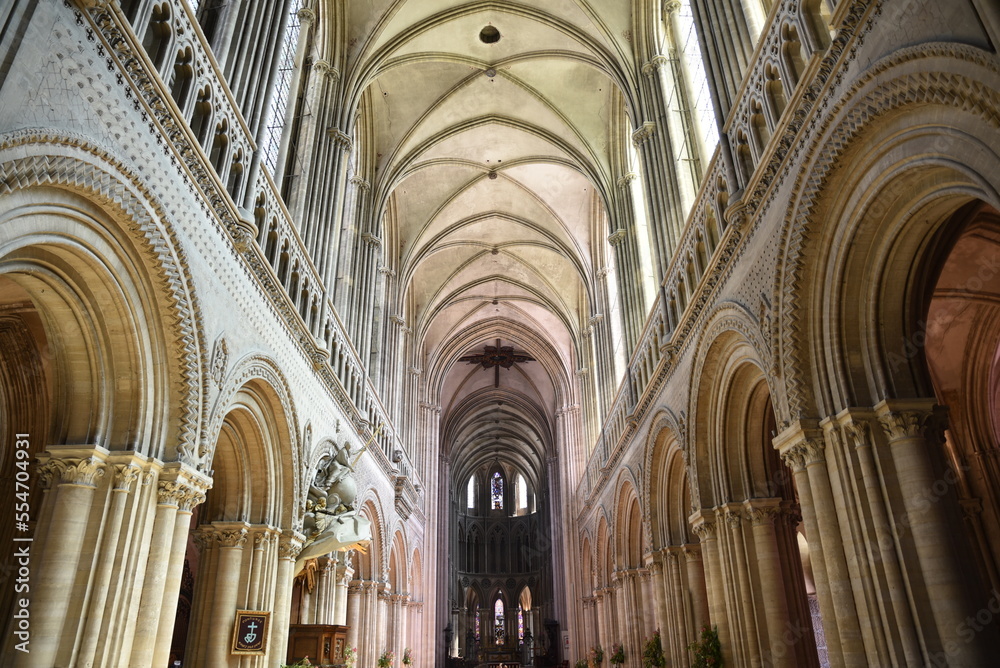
(704, 526)
(906, 426)
(74, 475)
(857, 431)
(125, 476)
(794, 456)
(762, 514)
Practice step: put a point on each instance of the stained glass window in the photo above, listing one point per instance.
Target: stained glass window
(496, 491)
(477, 624)
(520, 623)
(498, 621)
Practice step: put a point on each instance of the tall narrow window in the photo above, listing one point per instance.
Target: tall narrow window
(521, 487)
(478, 618)
(498, 626)
(520, 624)
(276, 112)
(471, 493)
(701, 96)
(496, 491)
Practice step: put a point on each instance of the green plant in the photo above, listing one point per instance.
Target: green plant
(387, 659)
(708, 650)
(617, 654)
(351, 656)
(597, 655)
(407, 657)
(652, 652)
(582, 663)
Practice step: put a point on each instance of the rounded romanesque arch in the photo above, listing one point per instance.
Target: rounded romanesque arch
(885, 147)
(893, 222)
(746, 513)
(250, 512)
(105, 382)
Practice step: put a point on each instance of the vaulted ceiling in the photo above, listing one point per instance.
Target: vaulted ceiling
(491, 135)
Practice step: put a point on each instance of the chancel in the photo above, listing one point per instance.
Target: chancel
(499, 333)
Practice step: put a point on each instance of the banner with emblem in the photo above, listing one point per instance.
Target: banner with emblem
(250, 633)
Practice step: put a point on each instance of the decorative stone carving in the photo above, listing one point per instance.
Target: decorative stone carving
(220, 358)
(236, 538)
(125, 475)
(330, 521)
(643, 133)
(341, 139)
(84, 472)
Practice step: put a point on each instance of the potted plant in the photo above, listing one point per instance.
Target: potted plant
(597, 655)
(350, 656)
(582, 663)
(708, 650)
(617, 654)
(387, 659)
(407, 657)
(652, 652)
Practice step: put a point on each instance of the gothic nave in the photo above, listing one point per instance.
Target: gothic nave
(459, 333)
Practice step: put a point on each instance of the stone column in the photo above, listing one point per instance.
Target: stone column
(232, 538)
(124, 476)
(857, 430)
(75, 473)
(655, 567)
(794, 456)
(761, 513)
(696, 585)
(344, 576)
(353, 612)
(677, 620)
(704, 526)
(906, 425)
(733, 516)
(190, 488)
(289, 546)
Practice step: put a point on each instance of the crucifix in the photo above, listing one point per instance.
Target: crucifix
(497, 356)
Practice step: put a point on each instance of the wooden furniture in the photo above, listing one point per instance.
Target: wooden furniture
(322, 643)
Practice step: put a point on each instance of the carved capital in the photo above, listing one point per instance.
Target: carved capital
(289, 547)
(814, 450)
(125, 475)
(306, 17)
(616, 237)
(794, 457)
(654, 64)
(67, 470)
(371, 240)
(692, 552)
(360, 183)
(626, 179)
(341, 139)
(671, 7)
(643, 133)
(704, 529)
(763, 512)
(898, 425)
(326, 70)
(857, 433)
(236, 538)
(170, 492)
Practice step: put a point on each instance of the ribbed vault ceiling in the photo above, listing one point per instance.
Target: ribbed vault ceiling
(491, 166)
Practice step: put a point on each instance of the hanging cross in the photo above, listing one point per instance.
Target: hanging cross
(496, 357)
